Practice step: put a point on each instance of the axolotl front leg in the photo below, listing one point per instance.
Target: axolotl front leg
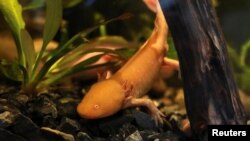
(153, 110)
(132, 100)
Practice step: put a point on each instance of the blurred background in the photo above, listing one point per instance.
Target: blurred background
(78, 15)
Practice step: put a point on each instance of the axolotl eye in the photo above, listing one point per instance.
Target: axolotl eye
(96, 106)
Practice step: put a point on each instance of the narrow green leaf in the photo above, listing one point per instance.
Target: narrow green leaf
(78, 52)
(47, 66)
(234, 59)
(88, 61)
(244, 51)
(83, 66)
(34, 4)
(28, 48)
(244, 81)
(71, 3)
(53, 19)
(172, 53)
(91, 29)
(52, 24)
(74, 56)
(74, 53)
(68, 58)
(25, 76)
(12, 12)
(126, 53)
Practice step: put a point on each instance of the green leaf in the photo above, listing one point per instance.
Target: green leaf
(244, 51)
(74, 56)
(12, 12)
(63, 69)
(111, 41)
(86, 63)
(71, 3)
(53, 20)
(172, 53)
(121, 17)
(234, 59)
(28, 48)
(244, 80)
(11, 70)
(67, 47)
(126, 53)
(83, 66)
(34, 4)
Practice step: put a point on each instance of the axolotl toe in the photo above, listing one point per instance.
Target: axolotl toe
(126, 87)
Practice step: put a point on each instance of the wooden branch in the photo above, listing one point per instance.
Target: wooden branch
(211, 94)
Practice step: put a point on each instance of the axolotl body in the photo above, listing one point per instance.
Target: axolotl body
(126, 87)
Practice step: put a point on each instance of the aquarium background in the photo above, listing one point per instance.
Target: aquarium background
(234, 16)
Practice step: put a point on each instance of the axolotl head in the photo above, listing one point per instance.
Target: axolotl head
(103, 99)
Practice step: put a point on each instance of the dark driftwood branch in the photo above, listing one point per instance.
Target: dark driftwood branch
(211, 94)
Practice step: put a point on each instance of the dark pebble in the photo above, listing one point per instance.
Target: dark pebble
(49, 121)
(147, 134)
(6, 135)
(22, 99)
(127, 129)
(124, 131)
(42, 106)
(67, 107)
(136, 136)
(23, 126)
(69, 126)
(112, 124)
(19, 101)
(166, 136)
(144, 121)
(176, 120)
(100, 139)
(81, 136)
(51, 95)
(6, 119)
(5, 90)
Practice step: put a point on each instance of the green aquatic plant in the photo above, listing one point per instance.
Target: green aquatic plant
(240, 66)
(243, 76)
(171, 53)
(38, 70)
(40, 3)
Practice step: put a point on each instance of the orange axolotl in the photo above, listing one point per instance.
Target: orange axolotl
(126, 87)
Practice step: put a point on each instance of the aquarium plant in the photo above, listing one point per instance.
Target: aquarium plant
(39, 70)
(241, 66)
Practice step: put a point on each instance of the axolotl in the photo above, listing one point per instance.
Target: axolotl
(133, 80)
